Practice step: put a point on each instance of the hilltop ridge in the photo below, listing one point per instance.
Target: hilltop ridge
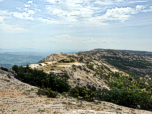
(76, 69)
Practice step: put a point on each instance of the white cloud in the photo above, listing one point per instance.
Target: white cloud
(10, 28)
(116, 2)
(30, 12)
(121, 14)
(148, 10)
(119, 0)
(81, 12)
(139, 8)
(27, 12)
(78, 13)
(1, 0)
(48, 21)
(26, 5)
(137, 1)
(101, 2)
(23, 15)
(72, 13)
(4, 12)
(51, 1)
(1, 19)
(72, 39)
(97, 41)
(18, 8)
(30, 2)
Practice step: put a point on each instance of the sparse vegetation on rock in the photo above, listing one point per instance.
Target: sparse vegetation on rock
(92, 78)
(41, 79)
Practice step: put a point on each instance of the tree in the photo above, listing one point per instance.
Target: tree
(98, 94)
(111, 96)
(41, 79)
(91, 66)
(74, 91)
(87, 63)
(129, 99)
(65, 77)
(81, 59)
(15, 68)
(90, 95)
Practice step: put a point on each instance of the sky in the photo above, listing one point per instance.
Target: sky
(75, 25)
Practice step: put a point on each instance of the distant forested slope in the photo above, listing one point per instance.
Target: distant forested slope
(8, 60)
(135, 63)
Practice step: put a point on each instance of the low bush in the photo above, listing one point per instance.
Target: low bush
(43, 80)
(87, 95)
(52, 94)
(90, 66)
(42, 92)
(5, 69)
(47, 92)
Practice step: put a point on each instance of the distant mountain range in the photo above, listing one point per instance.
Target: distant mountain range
(143, 53)
(7, 60)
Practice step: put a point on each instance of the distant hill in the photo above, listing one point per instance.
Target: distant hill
(135, 63)
(143, 53)
(7, 60)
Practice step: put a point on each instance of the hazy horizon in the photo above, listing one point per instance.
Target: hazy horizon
(39, 52)
(72, 26)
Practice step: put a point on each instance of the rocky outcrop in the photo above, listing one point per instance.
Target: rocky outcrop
(7, 71)
(54, 57)
(81, 67)
(75, 67)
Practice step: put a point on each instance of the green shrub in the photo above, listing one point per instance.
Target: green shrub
(41, 79)
(15, 68)
(65, 94)
(8, 76)
(32, 89)
(5, 69)
(102, 67)
(52, 94)
(40, 64)
(42, 92)
(81, 59)
(90, 66)
(6, 80)
(87, 95)
(76, 95)
(74, 91)
(72, 60)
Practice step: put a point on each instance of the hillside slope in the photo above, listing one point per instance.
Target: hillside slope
(82, 70)
(17, 97)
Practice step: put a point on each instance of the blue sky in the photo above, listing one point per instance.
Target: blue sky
(75, 25)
